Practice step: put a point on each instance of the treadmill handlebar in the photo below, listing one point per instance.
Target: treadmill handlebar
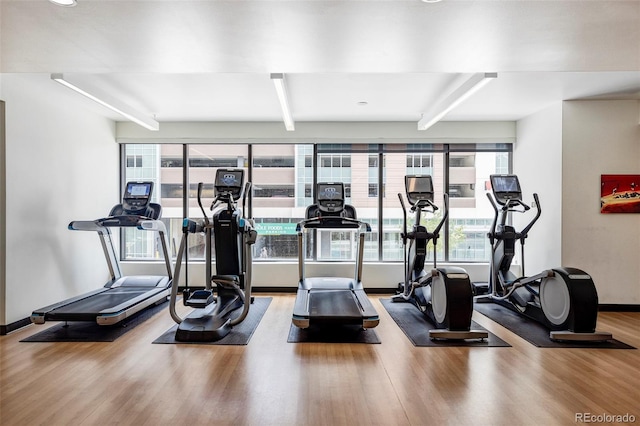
(331, 222)
(111, 221)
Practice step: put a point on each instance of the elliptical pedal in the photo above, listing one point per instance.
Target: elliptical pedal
(200, 299)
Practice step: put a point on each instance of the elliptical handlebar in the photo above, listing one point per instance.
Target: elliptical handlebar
(204, 214)
(510, 206)
(404, 216)
(492, 231)
(525, 231)
(247, 189)
(436, 232)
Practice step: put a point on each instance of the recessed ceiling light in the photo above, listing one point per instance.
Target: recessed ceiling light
(431, 1)
(362, 103)
(65, 3)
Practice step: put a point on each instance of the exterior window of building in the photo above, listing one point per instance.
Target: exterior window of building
(134, 161)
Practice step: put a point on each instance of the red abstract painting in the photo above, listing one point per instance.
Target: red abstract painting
(620, 194)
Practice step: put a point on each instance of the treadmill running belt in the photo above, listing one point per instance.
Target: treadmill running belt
(101, 301)
(334, 303)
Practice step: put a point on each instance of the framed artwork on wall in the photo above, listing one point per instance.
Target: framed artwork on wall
(619, 193)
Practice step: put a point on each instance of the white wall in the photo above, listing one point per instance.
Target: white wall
(3, 210)
(61, 157)
(537, 160)
(600, 137)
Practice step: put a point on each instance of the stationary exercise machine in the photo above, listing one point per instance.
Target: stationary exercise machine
(563, 299)
(122, 296)
(443, 294)
(332, 300)
(233, 234)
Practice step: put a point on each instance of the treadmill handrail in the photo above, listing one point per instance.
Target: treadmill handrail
(317, 223)
(362, 227)
(161, 229)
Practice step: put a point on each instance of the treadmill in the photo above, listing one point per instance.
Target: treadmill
(332, 300)
(121, 296)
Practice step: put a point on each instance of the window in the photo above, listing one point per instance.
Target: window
(142, 164)
(282, 187)
(405, 161)
(134, 161)
(282, 181)
(352, 165)
(470, 214)
(204, 161)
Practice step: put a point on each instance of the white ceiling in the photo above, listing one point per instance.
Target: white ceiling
(184, 60)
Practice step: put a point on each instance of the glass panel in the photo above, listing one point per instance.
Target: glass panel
(397, 165)
(358, 170)
(204, 161)
(470, 213)
(282, 180)
(150, 162)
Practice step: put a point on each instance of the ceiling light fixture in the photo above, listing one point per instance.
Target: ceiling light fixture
(431, 1)
(462, 93)
(107, 101)
(64, 3)
(281, 91)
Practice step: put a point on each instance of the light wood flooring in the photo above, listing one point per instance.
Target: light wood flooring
(271, 382)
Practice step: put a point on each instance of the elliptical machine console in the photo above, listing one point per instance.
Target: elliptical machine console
(444, 295)
(563, 299)
(234, 234)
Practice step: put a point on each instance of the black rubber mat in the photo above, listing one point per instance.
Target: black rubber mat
(332, 334)
(536, 333)
(239, 335)
(89, 331)
(416, 327)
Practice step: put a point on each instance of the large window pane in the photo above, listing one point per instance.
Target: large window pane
(204, 161)
(283, 177)
(357, 168)
(397, 165)
(282, 180)
(470, 215)
(159, 164)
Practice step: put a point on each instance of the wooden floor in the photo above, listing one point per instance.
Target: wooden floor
(272, 382)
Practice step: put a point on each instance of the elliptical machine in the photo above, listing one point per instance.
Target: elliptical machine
(234, 235)
(444, 295)
(563, 299)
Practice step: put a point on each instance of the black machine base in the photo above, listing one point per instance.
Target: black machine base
(209, 324)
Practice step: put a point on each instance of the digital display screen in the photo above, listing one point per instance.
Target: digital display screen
(505, 183)
(420, 184)
(229, 178)
(330, 191)
(138, 190)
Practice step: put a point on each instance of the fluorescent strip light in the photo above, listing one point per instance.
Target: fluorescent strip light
(461, 94)
(109, 102)
(64, 3)
(281, 91)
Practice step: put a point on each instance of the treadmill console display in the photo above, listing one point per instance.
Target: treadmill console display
(330, 197)
(505, 188)
(418, 188)
(229, 181)
(137, 196)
